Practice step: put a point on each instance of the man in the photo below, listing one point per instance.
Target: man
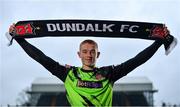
(89, 85)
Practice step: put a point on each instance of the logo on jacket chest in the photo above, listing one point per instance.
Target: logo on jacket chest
(99, 77)
(89, 84)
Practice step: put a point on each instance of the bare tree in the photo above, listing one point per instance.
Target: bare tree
(23, 97)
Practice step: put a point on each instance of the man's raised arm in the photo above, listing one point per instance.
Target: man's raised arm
(54, 67)
(126, 67)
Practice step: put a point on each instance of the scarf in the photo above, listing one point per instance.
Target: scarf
(94, 28)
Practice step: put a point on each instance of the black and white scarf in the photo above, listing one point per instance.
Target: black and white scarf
(94, 28)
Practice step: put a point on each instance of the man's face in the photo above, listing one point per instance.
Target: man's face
(88, 54)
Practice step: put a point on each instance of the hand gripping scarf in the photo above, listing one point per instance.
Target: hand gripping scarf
(94, 28)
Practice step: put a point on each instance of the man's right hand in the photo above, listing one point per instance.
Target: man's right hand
(12, 29)
(9, 35)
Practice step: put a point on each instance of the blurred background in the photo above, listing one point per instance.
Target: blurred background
(18, 71)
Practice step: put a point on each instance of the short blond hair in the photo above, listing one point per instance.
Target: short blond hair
(89, 41)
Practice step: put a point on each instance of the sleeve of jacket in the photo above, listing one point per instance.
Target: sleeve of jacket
(126, 67)
(54, 67)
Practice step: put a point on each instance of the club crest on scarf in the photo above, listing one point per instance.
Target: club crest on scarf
(158, 32)
(25, 29)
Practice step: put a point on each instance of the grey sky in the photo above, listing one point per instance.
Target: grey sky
(17, 70)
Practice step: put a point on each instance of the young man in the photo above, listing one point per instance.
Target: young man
(89, 85)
